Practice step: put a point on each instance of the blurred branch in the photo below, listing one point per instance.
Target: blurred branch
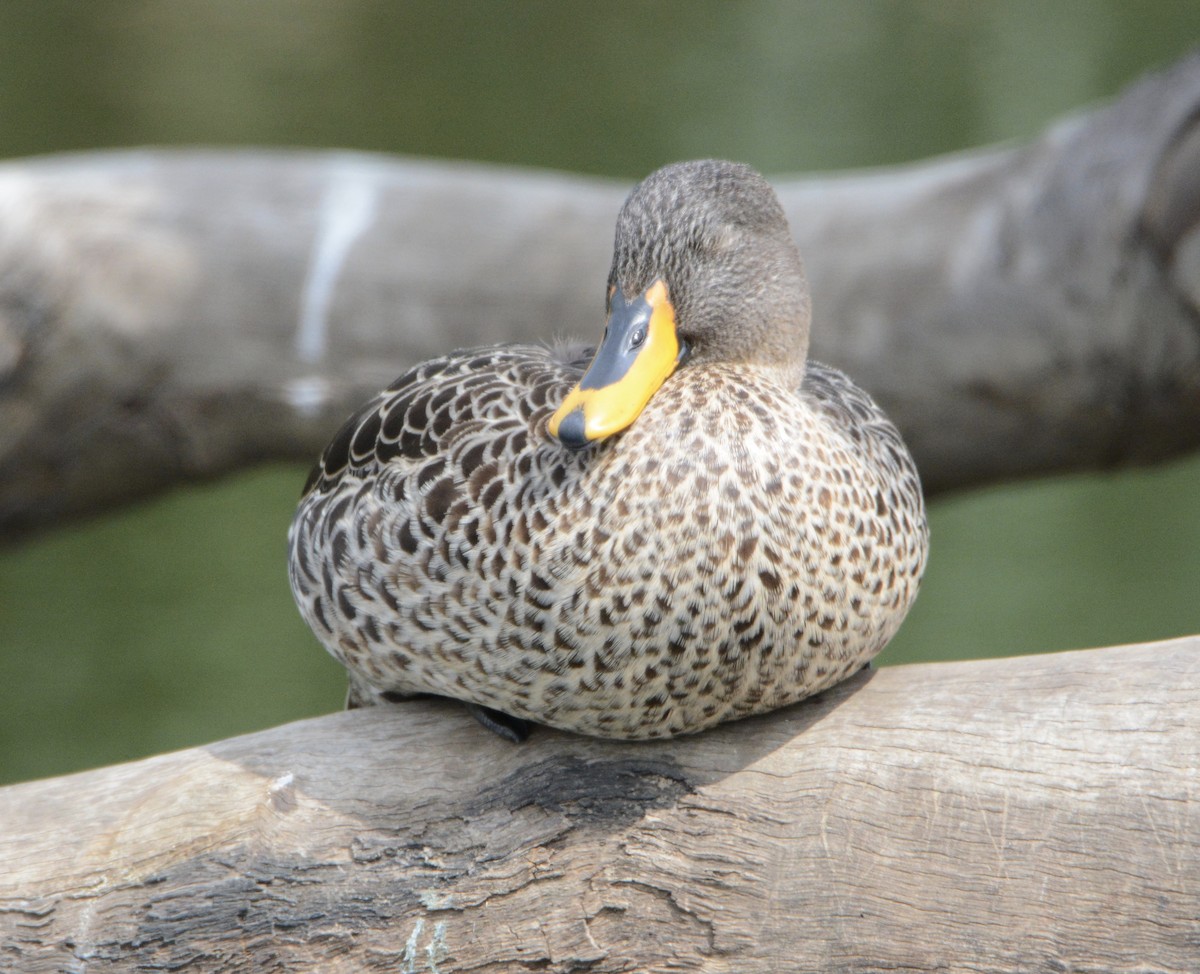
(172, 315)
(1036, 812)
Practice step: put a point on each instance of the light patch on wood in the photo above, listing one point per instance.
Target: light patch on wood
(347, 209)
(309, 395)
(418, 960)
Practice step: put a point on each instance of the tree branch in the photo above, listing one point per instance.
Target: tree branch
(1034, 813)
(167, 316)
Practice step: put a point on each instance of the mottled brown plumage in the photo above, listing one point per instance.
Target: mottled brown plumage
(755, 536)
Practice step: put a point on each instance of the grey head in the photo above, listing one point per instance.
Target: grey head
(716, 234)
(704, 272)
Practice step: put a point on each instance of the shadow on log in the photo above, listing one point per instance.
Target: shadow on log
(1035, 813)
(167, 316)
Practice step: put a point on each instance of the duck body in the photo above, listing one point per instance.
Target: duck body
(723, 557)
(749, 540)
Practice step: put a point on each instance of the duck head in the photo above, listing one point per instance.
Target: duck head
(704, 271)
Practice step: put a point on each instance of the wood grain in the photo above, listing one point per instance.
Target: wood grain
(1026, 814)
(168, 316)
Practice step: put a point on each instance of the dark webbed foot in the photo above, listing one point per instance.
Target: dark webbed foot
(510, 728)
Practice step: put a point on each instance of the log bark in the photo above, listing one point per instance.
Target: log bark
(1027, 814)
(174, 315)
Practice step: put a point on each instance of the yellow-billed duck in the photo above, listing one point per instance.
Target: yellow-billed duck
(692, 524)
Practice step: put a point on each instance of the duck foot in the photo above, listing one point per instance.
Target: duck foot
(510, 728)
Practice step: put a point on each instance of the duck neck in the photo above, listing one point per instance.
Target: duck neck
(782, 345)
(784, 349)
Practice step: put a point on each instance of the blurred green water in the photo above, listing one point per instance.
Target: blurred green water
(171, 624)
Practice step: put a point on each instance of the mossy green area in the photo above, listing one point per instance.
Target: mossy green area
(170, 623)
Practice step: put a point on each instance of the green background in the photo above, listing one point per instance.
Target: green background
(171, 624)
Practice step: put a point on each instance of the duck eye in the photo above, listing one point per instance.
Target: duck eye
(638, 337)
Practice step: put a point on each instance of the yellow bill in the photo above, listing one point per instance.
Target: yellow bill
(640, 349)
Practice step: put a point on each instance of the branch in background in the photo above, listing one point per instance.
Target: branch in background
(167, 316)
(1034, 813)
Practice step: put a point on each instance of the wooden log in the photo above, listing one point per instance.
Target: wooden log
(173, 315)
(1026, 814)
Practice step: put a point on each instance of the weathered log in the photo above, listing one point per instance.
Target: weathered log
(1027, 814)
(175, 315)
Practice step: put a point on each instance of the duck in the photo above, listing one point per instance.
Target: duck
(690, 524)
